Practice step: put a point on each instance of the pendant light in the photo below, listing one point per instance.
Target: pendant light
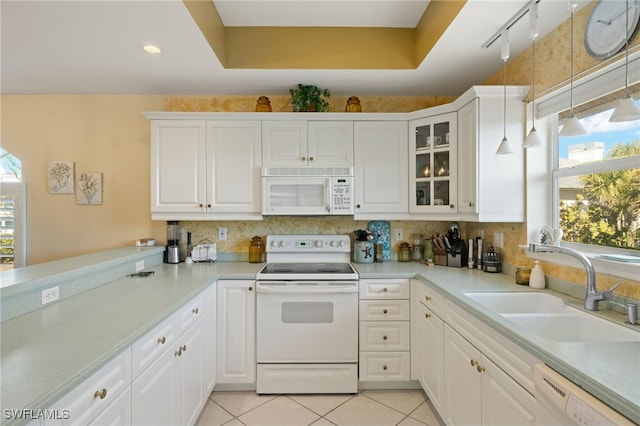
(533, 139)
(505, 145)
(627, 109)
(572, 126)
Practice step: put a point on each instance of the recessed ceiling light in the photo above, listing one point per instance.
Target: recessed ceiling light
(150, 48)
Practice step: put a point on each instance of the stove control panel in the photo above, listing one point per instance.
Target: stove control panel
(308, 243)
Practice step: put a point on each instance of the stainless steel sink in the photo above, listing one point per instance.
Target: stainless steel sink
(551, 318)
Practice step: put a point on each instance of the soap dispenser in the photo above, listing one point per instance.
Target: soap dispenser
(536, 280)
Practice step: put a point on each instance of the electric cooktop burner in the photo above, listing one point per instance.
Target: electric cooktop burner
(307, 268)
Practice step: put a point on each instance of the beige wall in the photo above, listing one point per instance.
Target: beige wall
(108, 134)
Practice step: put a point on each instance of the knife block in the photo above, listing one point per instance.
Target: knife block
(440, 256)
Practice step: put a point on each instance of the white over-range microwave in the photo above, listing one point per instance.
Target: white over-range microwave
(307, 191)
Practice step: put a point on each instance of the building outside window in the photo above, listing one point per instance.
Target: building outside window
(12, 212)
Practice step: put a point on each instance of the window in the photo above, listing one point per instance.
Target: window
(12, 212)
(596, 181)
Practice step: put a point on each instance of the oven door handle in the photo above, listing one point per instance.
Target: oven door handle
(305, 290)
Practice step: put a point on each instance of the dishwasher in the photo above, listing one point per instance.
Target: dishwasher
(561, 402)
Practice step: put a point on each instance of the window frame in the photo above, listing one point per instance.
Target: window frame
(542, 172)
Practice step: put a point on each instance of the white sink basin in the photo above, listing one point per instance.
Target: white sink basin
(505, 302)
(578, 327)
(550, 318)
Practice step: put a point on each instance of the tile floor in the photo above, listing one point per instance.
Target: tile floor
(368, 408)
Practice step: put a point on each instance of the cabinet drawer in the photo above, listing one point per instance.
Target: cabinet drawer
(190, 313)
(430, 299)
(384, 310)
(384, 289)
(93, 395)
(149, 347)
(385, 336)
(381, 366)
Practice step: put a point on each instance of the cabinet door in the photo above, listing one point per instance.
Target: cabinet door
(210, 339)
(330, 143)
(233, 166)
(178, 166)
(464, 381)
(284, 143)
(433, 164)
(467, 158)
(504, 402)
(381, 166)
(191, 380)
(236, 331)
(432, 339)
(154, 396)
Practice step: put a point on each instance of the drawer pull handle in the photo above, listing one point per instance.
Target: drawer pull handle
(162, 340)
(384, 290)
(102, 394)
(384, 311)
(427, 298)
(427, 315)
(384, 337)
(480, 369)
(384, 367)
(474, 363)
(195, 310)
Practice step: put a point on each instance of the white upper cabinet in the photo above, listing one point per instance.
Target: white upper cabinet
(433, 177)
(178, 166)
(381, 167)
(300, 143)
(491, 186)
(202, 168)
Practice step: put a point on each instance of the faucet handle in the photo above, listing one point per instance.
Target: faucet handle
(607, 294)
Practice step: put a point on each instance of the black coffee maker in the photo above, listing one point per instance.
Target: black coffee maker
(456, 247)
(174, 235)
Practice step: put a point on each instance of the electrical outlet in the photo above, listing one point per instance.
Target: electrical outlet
(222, 234)
(139, 265)
(498, 239)
(50, 294)
(399, 234)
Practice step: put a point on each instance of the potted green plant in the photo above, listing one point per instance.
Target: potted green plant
(309, 98)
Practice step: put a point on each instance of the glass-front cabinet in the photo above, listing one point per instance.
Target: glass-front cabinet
(432, 168)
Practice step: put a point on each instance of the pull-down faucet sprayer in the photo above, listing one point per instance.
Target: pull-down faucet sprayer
(592, 296)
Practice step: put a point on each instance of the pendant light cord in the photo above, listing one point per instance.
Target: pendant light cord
(505, 98)
(626, 59)
(571, 67)
(533, 82)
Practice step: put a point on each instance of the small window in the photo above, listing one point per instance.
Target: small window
(12, 212)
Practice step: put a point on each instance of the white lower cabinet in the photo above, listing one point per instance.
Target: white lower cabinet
(236, 332)
(432, 379)
(478, 391)
(97, 394)
(385, 336)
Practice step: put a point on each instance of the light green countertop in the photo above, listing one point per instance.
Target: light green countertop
(47, 352)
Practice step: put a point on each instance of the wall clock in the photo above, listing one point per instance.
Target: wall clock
(606, 31)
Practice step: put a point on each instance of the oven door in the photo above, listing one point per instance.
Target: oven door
(307, 322)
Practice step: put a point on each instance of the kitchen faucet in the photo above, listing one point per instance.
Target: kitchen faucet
(593, 296)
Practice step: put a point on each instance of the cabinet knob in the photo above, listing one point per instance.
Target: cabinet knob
(310, 158)
(177, 353)
(427, 298)
(474, 362)
(452, 205)
(384, 311)
(201, 205)
(357, 206)
(384, 337)
(102, 394)
(427, 315)
(384, 367)
(162, 340)
(384, 290)
(470, 204)
(480, 369)
(304, 158)
(209, 206)
(183, 348)
(195, 310)
(250, 288)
